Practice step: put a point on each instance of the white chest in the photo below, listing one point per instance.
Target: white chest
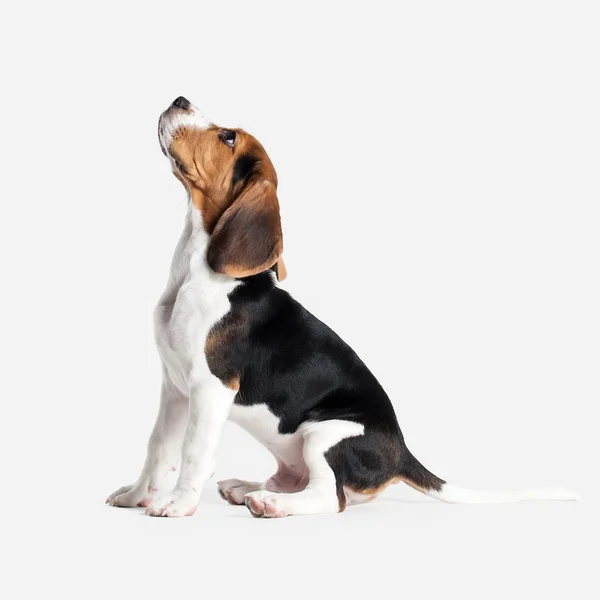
(194, 300)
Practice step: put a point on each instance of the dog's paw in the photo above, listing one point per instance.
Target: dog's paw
(178, 503)
(129, 496)
(234, 490)
(263, 503)
(121, 490)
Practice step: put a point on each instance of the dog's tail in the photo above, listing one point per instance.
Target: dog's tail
(418, 477)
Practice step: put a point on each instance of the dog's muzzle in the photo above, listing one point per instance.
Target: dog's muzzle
(181, 114)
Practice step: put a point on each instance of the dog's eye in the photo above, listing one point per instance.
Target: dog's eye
(227, 137)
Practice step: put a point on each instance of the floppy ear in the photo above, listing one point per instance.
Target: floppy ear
(247, 238)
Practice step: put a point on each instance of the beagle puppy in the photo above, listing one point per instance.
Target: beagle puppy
(233, 345)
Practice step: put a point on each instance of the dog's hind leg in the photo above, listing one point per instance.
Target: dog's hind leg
(320, 494)
(234, 490)
(290, 477)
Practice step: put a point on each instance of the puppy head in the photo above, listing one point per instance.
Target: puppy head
(232, 182)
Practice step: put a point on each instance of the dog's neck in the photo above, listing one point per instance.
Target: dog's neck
(189, 260)
(194, 239)
(196, 222)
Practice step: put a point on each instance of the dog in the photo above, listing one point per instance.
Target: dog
(233, 345)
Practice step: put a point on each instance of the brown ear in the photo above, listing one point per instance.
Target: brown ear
(247, 238)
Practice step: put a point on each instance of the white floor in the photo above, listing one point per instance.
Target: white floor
(403, 545)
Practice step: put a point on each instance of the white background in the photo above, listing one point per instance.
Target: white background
(438, 167)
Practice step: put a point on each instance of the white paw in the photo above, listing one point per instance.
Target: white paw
(129, 496)
(263, 503)
(178, 503)
(234, 490)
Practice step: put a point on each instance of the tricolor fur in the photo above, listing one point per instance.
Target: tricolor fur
(235, 346)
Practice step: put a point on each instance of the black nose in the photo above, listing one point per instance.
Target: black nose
(181, 102)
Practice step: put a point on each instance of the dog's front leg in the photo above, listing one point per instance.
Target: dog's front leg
(164, 450)
(210, 404)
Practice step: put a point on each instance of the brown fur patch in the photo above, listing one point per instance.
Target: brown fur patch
(280, 270)
(221, 349)
(414, 486)
(372, 493)
(233, 383)
(206, 165)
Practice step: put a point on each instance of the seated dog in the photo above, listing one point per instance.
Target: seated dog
(235, 346)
